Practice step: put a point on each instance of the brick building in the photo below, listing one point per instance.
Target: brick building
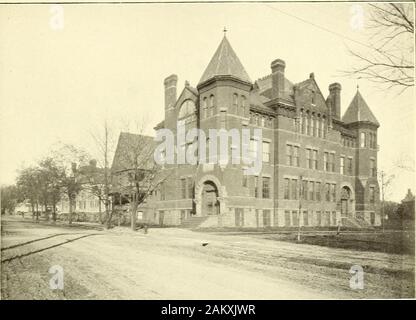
(319, 169)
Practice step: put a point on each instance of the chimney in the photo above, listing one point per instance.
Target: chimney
(170, 90)
(278, 78)
(335, 94)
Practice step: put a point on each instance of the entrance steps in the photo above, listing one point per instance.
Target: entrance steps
(356, 223)
(200, 222)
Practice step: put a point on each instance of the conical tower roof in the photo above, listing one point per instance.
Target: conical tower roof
(225, 63)
(359, 111)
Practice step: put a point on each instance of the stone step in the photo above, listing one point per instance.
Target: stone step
(193, 222)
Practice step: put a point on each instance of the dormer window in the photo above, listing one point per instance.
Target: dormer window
(187, 109)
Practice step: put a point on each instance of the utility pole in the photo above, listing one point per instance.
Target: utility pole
(382, 200)
(300, 204)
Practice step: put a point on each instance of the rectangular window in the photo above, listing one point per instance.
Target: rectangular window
(256, 186)
(373, 171)
(305, 189)
(287, 218)
(311, 190)
(295, 220)
(239, 217)
(253, 148)
(266, 187)
(350, 166)
(266, 151)
(333, 192)
(275, 218)
(183, 188)
(372, 195)
(190, 188)
(308, 125)
(305, 218)
(341, 165)
(286, 192)
(318, 218)
(328, 218)
(266, 218)
(318, 191)
(308, 158)
(315, 159)
(334, 218)
(162, 191)
(327, 192)
(296, 156)
(326, 164)
(289, 154)
(303, 123)
(294, 189)
(332, 162)
(244, 181)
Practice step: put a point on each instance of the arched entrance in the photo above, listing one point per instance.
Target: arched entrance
(209, 199)
(346, 210)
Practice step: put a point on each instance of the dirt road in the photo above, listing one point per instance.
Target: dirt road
(173, 264)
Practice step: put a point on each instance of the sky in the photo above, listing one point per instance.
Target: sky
(60, 82)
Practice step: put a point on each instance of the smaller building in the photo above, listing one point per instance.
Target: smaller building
(86, 205)
(406, 211)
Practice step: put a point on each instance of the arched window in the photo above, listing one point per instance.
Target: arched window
(319, 125)
(187, 109)
(305, 119)
(323, 123)
(308, 123)
(235, 103)
(243, 105)
(205, 107)
(312, 120)
(362, 139)
(212, 104)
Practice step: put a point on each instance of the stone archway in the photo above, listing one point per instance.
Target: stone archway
(347, 202)
(209, 196)
(209, 199)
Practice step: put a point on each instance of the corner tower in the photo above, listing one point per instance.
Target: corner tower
(224, 89)
(362, 121)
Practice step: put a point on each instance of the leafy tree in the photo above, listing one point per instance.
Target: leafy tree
(9, 198)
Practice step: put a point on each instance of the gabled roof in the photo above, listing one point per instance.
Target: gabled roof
(265, 88)
(225, 63)
(359, 111)
(409, 196)
(133, 148)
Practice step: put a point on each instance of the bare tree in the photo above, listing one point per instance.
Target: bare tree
(135, 172)
(385, 182)
(389, 62)
(100, 181)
